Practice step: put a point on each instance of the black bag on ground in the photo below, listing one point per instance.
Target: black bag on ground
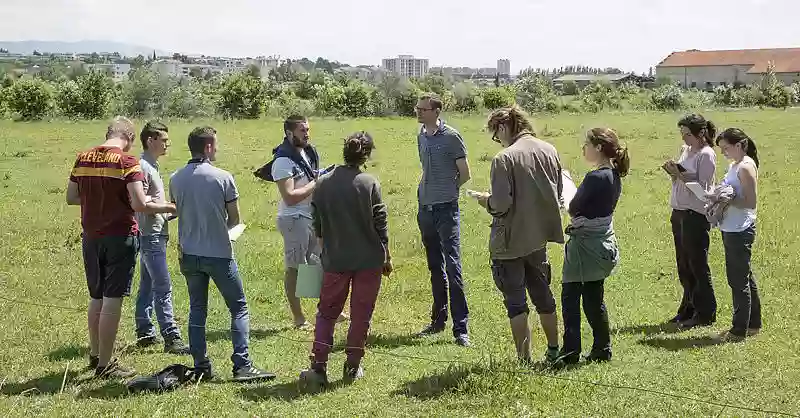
(167, 379)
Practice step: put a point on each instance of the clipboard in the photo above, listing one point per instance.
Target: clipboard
(235, 232)
(568, 188)
(697, 190)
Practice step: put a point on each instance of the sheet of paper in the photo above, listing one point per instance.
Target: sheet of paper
(568, 189)
(235, 232)
(472, 193)
(698, 190)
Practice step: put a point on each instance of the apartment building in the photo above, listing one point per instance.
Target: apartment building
(504, 67)
(406, 65)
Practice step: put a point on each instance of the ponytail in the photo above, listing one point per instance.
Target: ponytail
(751, 151)
(622, 161)
(357, 148)
(711, 133)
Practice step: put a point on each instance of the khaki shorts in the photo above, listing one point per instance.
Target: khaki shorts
(300, 244)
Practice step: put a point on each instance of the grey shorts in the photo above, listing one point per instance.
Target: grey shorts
(300, 244)
(531, 273)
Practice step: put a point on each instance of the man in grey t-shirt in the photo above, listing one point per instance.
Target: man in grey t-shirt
(444, 170)
(207, 201)
(295, 170)
(155, 284)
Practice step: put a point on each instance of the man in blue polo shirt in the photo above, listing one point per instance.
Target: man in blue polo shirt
(444, 170)
(207, 202)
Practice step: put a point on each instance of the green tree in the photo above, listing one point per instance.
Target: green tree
(242, 96)
(86, 97)
(535, 93)
(30, 98)
(497, 97)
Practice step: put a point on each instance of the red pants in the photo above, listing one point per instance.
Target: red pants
(335, 287)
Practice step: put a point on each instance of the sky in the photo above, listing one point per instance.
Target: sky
(629, 34)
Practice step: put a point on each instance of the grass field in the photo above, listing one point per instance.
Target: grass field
(40, 262)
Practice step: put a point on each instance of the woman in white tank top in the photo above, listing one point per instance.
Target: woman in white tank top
(738, 228)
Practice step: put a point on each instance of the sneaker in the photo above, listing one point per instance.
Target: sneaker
(113, 370)
(305, 326)
(202, 374)
(551, 355)
(463, 340)
(143, 342)
(311, 379)
(351, 374)
(176, 346)
(250, 374)
(431, 329)
(93, 361)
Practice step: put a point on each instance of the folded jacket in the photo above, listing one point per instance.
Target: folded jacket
(718, 202)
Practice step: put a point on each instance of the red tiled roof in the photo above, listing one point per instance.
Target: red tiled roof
(787, 60)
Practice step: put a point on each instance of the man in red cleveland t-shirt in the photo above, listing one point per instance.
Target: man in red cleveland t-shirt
(107, 184)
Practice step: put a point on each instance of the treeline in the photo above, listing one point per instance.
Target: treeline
(247, 95)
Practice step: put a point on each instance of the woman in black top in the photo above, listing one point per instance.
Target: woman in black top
(591, 252)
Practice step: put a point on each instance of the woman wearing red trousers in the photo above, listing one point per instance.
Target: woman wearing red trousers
(350, 221)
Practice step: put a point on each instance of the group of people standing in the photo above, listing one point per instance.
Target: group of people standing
(733, 212)
(336, 217)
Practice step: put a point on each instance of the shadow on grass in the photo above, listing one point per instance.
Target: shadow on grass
(285, 391)
(652, 329)
(46, 385)
(454, 379)
(678, 344)
(68, 352)
(391, 341)
(110, 390)
(258, 334)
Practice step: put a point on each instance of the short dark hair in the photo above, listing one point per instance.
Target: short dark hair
(152, 129)
(292, 121)
(433, 99)
(199, 138)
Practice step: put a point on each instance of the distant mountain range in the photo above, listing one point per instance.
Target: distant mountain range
(88, 46)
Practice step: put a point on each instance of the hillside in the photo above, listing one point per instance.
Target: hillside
(86, 46)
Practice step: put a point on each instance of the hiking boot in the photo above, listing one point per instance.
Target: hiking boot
(251, 374)
(113, 370)
(694, 322)
(311, 379)
(598, 357)
(93, 361)
(730, 337)
(148, 341)
(176, 346)
(431, 329)
(463, 340)
(551, 355)
(351, 374)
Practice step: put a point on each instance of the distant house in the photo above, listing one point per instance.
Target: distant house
(709, 69)
(583, 80)
(117, 71)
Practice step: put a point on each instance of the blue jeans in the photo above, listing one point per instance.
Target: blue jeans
(155, 290)
(198, 270)
(440, 227)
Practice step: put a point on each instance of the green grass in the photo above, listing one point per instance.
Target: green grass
(40, 262)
